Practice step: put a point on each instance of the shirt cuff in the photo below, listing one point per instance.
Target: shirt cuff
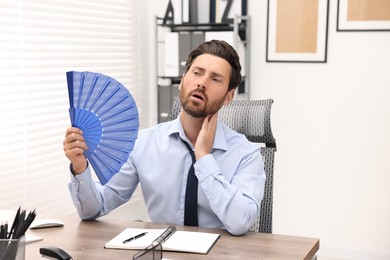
(80, 180)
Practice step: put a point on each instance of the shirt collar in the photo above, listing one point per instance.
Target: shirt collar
(176, 130)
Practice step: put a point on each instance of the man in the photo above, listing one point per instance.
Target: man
(229, 169)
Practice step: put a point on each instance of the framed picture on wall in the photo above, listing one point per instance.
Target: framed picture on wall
(297, 31)
(223, 11)
(363, 15)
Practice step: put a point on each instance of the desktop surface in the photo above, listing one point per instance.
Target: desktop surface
(86, 239)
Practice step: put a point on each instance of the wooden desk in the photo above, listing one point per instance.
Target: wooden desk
(85, 240)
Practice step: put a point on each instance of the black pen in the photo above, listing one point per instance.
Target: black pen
(134, 237)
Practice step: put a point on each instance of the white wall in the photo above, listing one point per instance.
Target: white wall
(332, 126)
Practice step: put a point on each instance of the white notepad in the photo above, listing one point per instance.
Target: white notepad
(180, 241)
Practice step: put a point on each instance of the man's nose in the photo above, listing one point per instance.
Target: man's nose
(202, 83)
(201, 87)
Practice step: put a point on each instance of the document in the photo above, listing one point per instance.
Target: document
(180, 241)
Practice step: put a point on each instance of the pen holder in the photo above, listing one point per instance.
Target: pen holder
(153, 252)
(12, 249)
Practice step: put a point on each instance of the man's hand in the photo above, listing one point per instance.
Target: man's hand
(205, 139)
(74, 147)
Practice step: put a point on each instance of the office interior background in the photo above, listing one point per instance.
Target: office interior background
(331, 120)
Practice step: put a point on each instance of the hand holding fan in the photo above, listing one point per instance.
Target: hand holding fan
(108, 116)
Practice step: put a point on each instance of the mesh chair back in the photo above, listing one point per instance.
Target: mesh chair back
(253, 119)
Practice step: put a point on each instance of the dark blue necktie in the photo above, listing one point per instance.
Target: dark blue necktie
(191, 199)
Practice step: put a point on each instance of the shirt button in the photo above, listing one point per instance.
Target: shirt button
(197, 173)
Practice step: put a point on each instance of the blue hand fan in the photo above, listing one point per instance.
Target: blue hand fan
(108, 116)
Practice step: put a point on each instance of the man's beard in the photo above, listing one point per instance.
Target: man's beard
(200, 109)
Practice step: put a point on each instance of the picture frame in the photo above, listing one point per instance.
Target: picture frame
(297, 31)
(363, 15)
(223, 11)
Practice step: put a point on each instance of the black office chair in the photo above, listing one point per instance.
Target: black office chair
(251, 118)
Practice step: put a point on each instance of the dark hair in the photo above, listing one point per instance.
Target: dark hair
(223, 50)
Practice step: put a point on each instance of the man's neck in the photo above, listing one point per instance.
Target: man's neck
(191, 126)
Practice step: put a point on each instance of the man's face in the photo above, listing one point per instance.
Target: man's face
(204, 87)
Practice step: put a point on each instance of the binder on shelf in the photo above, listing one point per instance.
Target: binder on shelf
(203, 11)
(177, 48)
(190, 11)
(186, 11)
(196, 39)
(185, 48)
(212, 11)
(177, 10)
(193, 12)
(171, 54)
(164, 106)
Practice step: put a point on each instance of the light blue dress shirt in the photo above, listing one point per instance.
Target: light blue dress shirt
(231, 180)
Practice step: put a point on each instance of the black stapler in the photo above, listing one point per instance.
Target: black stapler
(52, 252)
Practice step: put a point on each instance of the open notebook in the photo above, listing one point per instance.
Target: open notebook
(180, 241)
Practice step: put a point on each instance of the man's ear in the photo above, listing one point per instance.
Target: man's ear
(229, 97)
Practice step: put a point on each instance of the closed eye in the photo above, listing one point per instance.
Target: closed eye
(197, 71)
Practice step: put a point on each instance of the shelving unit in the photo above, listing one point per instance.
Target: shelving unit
(180, 39)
